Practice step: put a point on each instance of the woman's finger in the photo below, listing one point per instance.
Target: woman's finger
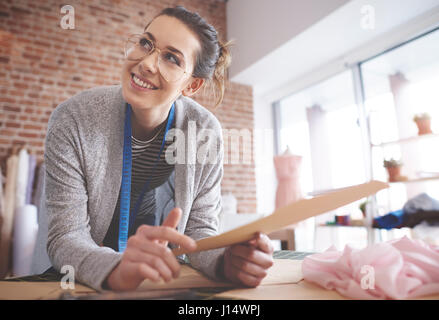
(173, 218)
(253, 255)
(148, 272)
(142, 246)
(140, 270)
(244, 277)
(167, 234)
(264, 243)
(171, 221)
(249, 267)
(134, 255)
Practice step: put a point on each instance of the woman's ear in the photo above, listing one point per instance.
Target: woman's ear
(193, 87)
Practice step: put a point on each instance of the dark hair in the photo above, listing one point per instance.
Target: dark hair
(214, 57)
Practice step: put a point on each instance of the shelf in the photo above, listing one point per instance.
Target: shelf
(406, 140)
(367, 227)
(322, 192)
(337, 225)
(417, 180)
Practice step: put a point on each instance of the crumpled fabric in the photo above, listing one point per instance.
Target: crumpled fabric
(402, 269)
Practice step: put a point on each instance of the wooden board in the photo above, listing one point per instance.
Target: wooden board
(290, 214)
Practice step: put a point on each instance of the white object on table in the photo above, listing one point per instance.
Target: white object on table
(24, 237)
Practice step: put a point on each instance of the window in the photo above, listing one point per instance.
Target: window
(321, 123)
(399, 84)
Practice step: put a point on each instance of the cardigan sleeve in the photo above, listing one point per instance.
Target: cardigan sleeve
(69, 240)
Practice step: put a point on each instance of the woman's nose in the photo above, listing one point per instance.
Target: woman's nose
(150, 62)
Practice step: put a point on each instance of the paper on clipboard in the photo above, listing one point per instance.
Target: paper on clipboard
(290, 214)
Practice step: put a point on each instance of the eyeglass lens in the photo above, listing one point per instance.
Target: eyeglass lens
(171, 64)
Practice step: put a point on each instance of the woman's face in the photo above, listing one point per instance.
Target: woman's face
(166, 32)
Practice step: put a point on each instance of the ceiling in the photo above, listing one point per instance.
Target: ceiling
(329, 39)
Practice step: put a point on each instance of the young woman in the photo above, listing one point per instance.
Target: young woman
(113, 199)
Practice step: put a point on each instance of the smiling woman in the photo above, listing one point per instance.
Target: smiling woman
(112, 200)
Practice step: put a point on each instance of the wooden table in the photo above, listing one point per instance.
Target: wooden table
(47, 286)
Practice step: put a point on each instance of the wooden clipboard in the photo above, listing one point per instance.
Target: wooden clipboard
(290, 214)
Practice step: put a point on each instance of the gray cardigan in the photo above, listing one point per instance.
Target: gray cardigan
(83, 161)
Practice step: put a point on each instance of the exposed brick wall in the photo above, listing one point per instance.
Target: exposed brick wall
(42, 65)
(236, 112)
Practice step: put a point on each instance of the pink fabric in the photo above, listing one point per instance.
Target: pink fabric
(288, 176)
(403, 269)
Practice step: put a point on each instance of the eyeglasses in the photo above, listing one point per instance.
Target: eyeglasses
(170, 64)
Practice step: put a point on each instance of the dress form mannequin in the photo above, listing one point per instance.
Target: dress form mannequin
(287, 167)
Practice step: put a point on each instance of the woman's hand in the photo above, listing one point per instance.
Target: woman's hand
(147, 255)
(247, 263)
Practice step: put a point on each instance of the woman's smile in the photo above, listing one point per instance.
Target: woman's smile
(141, 84)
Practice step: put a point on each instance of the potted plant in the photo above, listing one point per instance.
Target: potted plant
(362, 207)
(393, 169)
(423, 121)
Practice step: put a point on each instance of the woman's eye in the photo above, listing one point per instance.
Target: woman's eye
(172, 58)
(145, 43)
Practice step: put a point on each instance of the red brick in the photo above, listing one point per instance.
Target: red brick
(12, 125)
(7, 99)
(7, 132)
(20, 85)
(12, 109)
(27, 135)
(32, 127)
(31, 57)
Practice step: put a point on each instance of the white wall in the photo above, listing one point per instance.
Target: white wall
(261, 26)
(263, 140)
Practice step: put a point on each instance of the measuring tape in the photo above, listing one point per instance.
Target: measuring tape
(127, 218)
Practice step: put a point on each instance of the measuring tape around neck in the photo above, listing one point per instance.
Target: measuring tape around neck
(127, 217)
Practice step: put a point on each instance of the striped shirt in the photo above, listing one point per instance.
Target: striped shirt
(144, 157)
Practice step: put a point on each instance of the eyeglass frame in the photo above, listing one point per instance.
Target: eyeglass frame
(154, 48)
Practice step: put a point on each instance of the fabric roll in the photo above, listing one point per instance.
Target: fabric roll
(24, 237)
(2, 200)
(8, 216)
(22, 176)
(30, 178)
(36, 199)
